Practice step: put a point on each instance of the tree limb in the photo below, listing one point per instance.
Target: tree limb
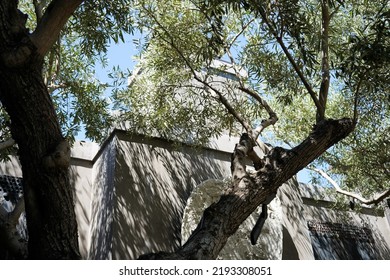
(7, 144)
(375, 200)
(51, 24)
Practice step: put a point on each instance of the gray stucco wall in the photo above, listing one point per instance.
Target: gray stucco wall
(304, 205)
(153, 180)
(102, 202)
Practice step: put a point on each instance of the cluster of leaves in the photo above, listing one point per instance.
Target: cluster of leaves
(173, 93)
(359, 50)
(69, 70)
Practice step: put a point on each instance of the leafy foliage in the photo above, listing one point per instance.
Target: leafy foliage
(185, 37)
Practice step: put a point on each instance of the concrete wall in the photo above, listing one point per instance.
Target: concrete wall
(303, 204)
(153, 180)
(102, 202)
(82, 180)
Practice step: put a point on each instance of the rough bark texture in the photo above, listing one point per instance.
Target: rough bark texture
(247, 191)
(43, 153)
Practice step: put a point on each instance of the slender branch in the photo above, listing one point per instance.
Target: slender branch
(356, 99)
(272, 115)
(227, 105)
(221, 96)
(234, 39)
(273, 118)
(52, 87)
(51, 24)
(325, 79)
(280, 41)
(7, 144)
(374, 200)
(47, 76)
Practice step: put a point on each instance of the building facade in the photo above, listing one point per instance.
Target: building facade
(132, 192)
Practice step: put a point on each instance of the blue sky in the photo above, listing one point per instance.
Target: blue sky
(121, 54)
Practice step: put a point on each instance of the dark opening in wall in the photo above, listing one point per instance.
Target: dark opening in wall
(337, 241)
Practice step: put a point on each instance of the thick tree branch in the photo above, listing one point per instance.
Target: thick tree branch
(375, 200)
(51, 24)
(247, 192)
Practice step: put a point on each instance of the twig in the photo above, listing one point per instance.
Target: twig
(221, 97)
(325, 79)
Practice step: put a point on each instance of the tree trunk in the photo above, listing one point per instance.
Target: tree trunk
(248, 191)
(43, 153)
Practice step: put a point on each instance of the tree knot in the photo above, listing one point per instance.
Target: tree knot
(59, 158)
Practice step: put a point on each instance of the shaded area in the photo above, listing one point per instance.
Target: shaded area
(102, 209)
(153, 180)
(289, 250)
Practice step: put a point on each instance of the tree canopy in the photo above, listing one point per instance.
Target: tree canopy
(304, 58)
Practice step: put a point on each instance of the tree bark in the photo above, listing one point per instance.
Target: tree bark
(43, 153)
(248, 191)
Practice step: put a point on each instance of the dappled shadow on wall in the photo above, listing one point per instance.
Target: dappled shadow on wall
(152, 184)
(102, 210)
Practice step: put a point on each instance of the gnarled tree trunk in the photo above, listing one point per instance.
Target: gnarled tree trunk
(44, 154)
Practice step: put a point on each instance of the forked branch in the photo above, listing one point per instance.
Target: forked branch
(51, 24)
